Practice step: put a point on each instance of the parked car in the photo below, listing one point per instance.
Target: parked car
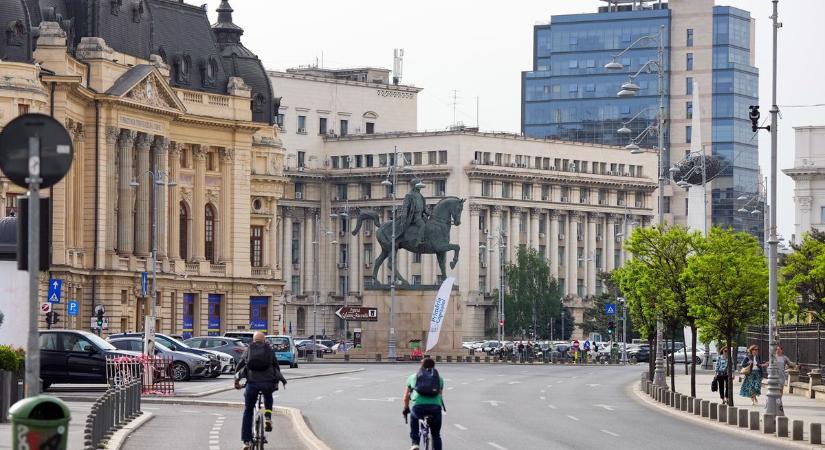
(641, 353)
(231, 346)
(244, 336)
(71, 356)
(284, 349)
(306, 347)
(215, 366)
(680, 356)
(184, 365)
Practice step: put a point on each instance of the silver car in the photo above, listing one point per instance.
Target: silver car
(227, 363)
(184, 365)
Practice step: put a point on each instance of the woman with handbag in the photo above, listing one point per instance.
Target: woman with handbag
(752, 369)
(721, 378)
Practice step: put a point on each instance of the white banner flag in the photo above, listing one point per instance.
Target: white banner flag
(439, 311)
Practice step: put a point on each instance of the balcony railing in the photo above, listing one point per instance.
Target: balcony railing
(265, 272)
(192, 267)
(217, 270)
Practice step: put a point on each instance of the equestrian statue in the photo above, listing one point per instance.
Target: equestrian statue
(417, 230)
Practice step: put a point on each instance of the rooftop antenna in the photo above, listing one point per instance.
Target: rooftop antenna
(397, 65)
(455, 102)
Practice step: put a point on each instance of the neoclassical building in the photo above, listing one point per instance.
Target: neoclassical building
(149, 90)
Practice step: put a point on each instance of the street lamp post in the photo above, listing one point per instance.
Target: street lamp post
(499, 245)
(630, 89)
(316, 281)
(344, 216)
(624, 329)
(149, 323)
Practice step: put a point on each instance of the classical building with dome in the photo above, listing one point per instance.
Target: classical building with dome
(149, 89)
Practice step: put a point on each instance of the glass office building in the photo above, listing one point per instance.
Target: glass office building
(569, 95)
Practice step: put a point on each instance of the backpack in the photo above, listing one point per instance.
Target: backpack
(259, 357)
(427, 383)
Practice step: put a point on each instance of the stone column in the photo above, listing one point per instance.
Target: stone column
(125, 216)
(553, 239)
(591, 253)
(173, 209)
(495, 245)
(534, 227)
(610, 242)
(198, 210)
(309, 235)
(112, 133)
(143, 210)
(515, 233)
(572, 252)
(160, 148)
(225, 230)
(286, 250)
(474, 250)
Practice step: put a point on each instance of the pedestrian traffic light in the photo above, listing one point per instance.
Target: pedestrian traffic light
(99, 319)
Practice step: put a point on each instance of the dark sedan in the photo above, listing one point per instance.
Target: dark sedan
(641, 354)
(304, 348)
(71, 356)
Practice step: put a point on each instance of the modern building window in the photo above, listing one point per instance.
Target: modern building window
(440, 188)
(322, 125)
(366, 191)
(526, 191)
(279, 120)
(417, 158)
(689, 86)
(417, 258)
(368, 253)
(432, 157)
(302, 124)
(506, 189)
(382, 159)
(370, 128)
(822, 214)
(256, 246)
(688, 132)
(296, 245)
(299, 191)
(183, 238)
(689, 62)
(369, 161)
(667, 205)
(209, 233)
(689, 110)
(442, 156)
(689, 42)
(545, 192)
(341, 191)
(486, 188)
(302, 159)
(344, 127)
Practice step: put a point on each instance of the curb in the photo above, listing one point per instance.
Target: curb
(641, 397)
(305, 435)
(118, 439)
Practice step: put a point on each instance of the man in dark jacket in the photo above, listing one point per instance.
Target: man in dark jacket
(262, 372)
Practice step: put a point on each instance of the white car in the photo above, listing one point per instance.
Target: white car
(227, 362)
(679, 356)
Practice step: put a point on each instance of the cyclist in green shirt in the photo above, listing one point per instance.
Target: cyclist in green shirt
(425, 389)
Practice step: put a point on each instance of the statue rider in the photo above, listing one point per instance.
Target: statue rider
(413, 211)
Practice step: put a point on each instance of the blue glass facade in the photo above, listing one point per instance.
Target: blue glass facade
(735, 87)
(569, 94)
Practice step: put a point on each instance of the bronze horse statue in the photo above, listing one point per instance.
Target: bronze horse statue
(445, 213)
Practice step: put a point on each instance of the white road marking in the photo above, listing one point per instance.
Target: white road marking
(480, 379)
(385, 399)
(493, 402)
(607, 407)
(338, 391)
(514, 382)
(149, 408)
(496, 446)
(543, 391)
(451, 388)
(610, 433)
(214, 447)
(319, 397)
(189, 411)
(594, 385)
(552, 406)
(359, 385)
(542, 398)
(559, 381)
(465, 383)
(573, 418)
(349, 378)
(460, 427)
(214, 442)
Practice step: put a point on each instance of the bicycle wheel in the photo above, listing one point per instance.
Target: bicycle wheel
(259, 432)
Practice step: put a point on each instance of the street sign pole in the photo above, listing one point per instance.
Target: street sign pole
(32, 342)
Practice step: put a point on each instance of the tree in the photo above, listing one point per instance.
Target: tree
(728, 289)
(642, 295)
(594, 318)
(533, 300)
(664, 253)
(804, 273)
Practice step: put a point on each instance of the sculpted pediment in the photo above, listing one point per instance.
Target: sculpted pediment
(145, 86)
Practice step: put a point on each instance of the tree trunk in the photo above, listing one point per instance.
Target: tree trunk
(731, 358)
(693, 359)
(672, 360)
(651, 366)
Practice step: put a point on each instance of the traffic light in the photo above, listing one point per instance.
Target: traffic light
(99, 319)
(52, 318)
(610, 327)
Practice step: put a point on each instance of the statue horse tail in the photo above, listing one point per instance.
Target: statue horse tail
(371, 215)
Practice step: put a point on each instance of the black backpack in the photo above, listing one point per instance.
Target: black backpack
(427, 383)
(259, 357)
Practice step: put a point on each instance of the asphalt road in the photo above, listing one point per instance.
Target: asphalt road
(499, 407)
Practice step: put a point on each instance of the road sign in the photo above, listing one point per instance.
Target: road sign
(610, 309)
(55, 155)
(45, 308)
(144, 284)
(55, 287)
(105, 323)
(99, 309)
(72, 308)
(358, 313)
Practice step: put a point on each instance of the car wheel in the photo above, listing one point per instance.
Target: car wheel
(293, 365)
(215, 374)
(180, 371)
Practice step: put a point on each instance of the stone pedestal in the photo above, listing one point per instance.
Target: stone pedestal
(413, 312)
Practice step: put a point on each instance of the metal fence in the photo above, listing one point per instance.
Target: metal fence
(120, 404)
(11, 390)
(153, 372)
(801, 343)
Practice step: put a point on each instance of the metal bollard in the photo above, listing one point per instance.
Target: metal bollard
(816, 433)
(713, 411)
(796, 431)
(705, 408)
(782, 426)
(683, 406)
(754, 420)
(723, 413)
(690, 402)
(732, 415)
(697, 406)
(743, 418)
(769, 424)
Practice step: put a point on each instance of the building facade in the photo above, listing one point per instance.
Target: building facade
(808, 174)
(172, 124)
(570, 95)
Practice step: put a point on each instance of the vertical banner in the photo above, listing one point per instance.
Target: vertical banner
(258, 314)
(439, 311)
(213, 325)
(188, 315)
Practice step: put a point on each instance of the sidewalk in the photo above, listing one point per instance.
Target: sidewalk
(78, 410)
(796, 407)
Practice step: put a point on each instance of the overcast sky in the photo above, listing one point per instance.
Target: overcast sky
(480, 47)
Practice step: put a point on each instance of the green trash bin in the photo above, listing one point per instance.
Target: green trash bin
(40, 422)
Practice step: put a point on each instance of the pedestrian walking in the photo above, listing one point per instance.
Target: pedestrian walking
(782, 364)
(721, 375)
(521, 351)
(753, 370)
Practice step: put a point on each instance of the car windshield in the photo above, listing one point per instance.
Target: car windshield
(171, 340)
(98, 341)
(279, 344)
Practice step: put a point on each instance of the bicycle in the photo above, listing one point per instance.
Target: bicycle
(424, 438)
(258, 431)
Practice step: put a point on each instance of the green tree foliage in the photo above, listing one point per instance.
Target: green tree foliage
(804, 274)
(533, 298)
(595, 320)
(636, 283)
(728, 286)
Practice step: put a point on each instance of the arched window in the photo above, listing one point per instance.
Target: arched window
(183, 238)
(302, 320)
(209, 226)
